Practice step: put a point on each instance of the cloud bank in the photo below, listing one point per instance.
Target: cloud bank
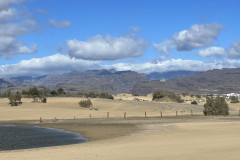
(9, 31)
(51, 64)
(60, 24)
(196, 36)
(106, 47)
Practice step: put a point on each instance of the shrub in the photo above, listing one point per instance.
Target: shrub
(217, 106)
(194, 102)
(85, 103)
(44, 100)
(15, 100)
(160, 94)
(234, 99)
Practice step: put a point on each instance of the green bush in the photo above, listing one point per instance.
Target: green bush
(160, 94)
(194, 102)
(217, 106)
(234, 99)
(85, 103)
(44, 100)
(15, 100)
(96, 95)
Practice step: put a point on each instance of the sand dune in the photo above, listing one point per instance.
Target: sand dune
(136, 137)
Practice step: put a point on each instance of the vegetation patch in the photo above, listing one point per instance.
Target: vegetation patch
(85, 103)
(96, 95)
(194, 102)
(163, 95)
(15, 99)
(217, 106)
(234, 99)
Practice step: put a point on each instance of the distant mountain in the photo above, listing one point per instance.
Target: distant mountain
(4, 84)
(93, 80)
(212, 81)
(169, 75)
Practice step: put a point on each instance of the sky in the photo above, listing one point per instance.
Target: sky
(39, 37)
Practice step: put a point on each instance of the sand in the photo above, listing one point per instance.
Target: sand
(170, 137)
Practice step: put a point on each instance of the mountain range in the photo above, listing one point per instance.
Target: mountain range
(215, 81)
(112, 81)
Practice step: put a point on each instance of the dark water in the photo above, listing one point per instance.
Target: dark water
(25, 137)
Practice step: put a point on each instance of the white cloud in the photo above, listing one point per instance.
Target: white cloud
(212, 51)
(8, 14)
(4, 4)
(51, 64)
(60, 24)
(233, 51)
(159, 59)
(42, 11)
(164, 47)
(175, 65)
(59, 63)
(107, 47)
(196, 36)
(9, 31)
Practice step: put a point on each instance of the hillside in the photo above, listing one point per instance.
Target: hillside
(212, 81)
(169, 75)
(93, 80)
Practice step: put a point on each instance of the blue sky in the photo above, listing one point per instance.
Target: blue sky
(40, 37)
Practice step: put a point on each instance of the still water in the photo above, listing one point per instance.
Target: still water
(25, 137)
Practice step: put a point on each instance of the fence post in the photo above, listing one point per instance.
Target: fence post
(176, 114)
(90, 116)
(145, 114)
(192, 113)
(161, 114)
(107, 115)
(74, 118)
(125, 115)
(40, 120)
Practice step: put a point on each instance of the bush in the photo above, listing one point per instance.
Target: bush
(234, 99)
(15, 100)
(160, 94)
(194, 102)
(85, 103)
(44, 100)
(217, 106)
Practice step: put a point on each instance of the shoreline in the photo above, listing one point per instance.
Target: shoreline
(102, 129)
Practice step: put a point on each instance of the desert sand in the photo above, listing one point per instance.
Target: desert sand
(136, 137)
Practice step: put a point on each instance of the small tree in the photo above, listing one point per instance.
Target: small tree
(194, 102)
(53, 93)
(217, 106)
(157, 95)
(234, 99)
(60, 91)
(85, 103)
(15, 100)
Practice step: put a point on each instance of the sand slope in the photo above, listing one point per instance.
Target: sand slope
(171, 138)
(215, 140)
